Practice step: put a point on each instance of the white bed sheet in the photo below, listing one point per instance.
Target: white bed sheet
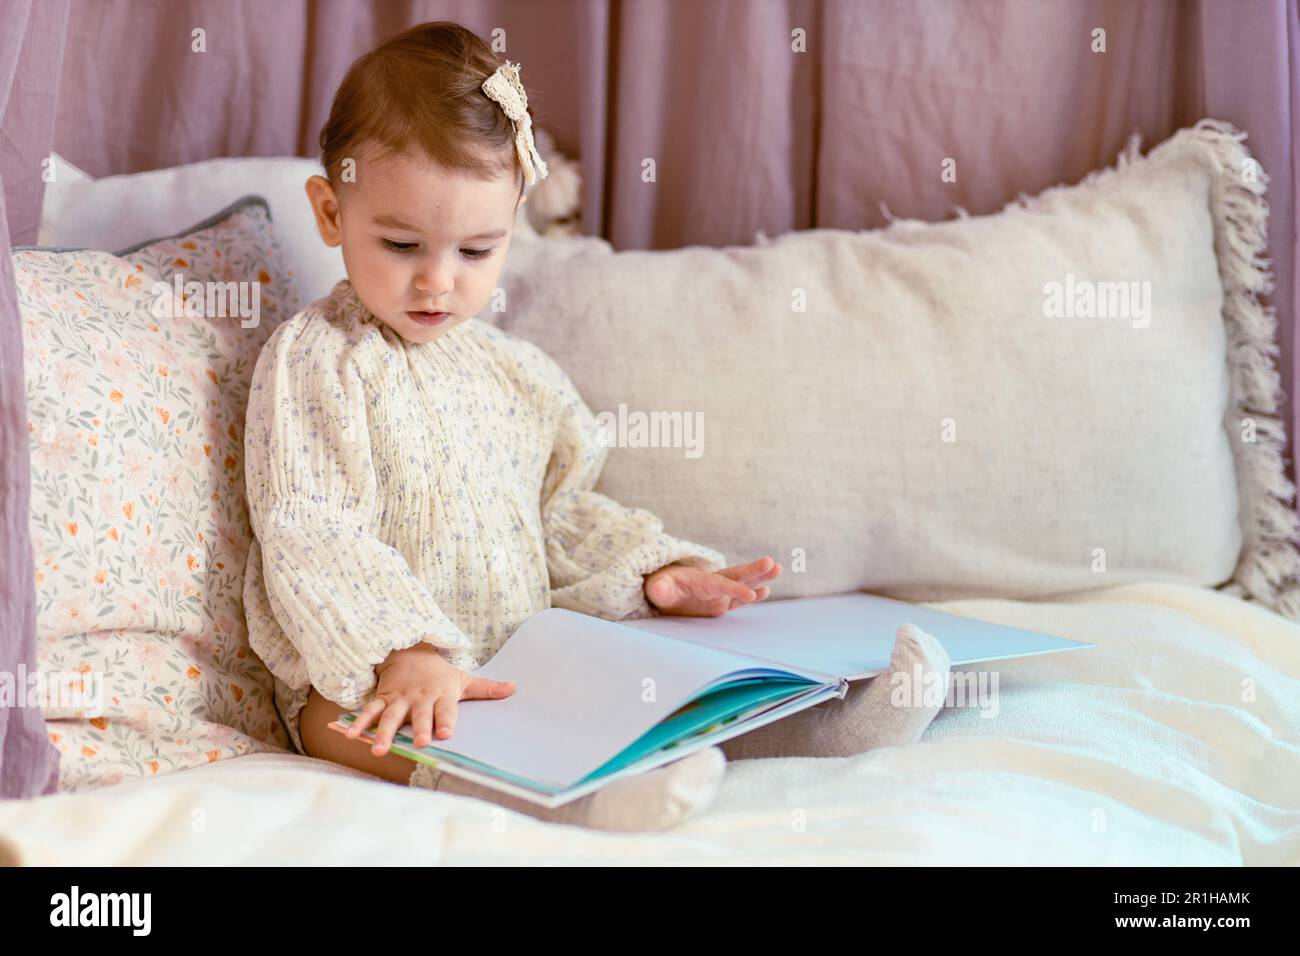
(1176, 741)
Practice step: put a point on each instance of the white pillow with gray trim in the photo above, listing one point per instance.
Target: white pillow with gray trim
(1074, 392)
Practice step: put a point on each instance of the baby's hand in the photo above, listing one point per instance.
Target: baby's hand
(681, 589)
(419, 681)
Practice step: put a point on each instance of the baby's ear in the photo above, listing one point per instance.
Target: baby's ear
(325, 207)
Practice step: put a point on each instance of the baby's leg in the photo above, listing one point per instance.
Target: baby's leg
(657, 800)
(321, 742)
(867, 718)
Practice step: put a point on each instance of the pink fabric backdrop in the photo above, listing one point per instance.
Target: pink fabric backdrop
(746, 134)
(28, 761)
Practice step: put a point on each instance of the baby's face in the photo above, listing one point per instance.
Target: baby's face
(418, 238)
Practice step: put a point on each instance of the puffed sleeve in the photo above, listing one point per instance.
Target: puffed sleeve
(597, 550)
(343, 598)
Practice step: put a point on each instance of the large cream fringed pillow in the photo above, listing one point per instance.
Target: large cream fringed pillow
(1074, 392)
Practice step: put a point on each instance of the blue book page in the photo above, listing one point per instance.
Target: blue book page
(848, 635)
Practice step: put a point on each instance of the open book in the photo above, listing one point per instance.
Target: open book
(597, 700)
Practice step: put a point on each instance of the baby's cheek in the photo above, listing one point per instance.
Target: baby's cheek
(482, 291)
(378, 283)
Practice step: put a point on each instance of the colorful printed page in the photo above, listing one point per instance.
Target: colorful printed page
(719, 707)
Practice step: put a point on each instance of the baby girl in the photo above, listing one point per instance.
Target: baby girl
(421, 482)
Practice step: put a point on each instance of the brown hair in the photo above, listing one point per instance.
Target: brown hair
(422, 91)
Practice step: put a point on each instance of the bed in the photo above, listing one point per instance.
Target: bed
(1175, 741)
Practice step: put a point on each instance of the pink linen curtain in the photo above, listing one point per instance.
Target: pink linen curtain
(758, 115)
(29, 33)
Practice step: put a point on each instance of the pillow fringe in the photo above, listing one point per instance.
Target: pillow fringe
(1268, 571)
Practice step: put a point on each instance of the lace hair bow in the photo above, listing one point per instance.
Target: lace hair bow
(504, 88)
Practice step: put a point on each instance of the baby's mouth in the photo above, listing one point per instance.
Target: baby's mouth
(429, 318)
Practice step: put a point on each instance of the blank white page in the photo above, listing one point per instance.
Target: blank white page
(586, 689)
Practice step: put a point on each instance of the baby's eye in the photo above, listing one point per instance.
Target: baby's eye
(409, 246)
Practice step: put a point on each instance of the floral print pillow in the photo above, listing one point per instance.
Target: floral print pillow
(137, 371)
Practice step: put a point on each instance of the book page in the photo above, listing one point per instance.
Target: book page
(847, 635)
(586, 689)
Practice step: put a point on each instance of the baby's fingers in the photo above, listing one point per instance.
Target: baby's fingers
(759, 594)
(760, 569)
(444, 712)
(389, 724)
(422, 722)
(724, 586)
(772, 572)
(485, 688)
(364, 717)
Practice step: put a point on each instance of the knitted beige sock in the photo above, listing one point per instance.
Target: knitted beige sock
(867, 717)
(657, 800)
